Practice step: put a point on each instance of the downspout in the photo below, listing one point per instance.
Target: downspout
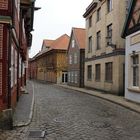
(18, 52)
(9, 65)
(9, 54)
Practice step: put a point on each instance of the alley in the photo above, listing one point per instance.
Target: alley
(70, 115)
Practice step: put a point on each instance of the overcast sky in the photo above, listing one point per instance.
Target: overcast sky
(56, 17)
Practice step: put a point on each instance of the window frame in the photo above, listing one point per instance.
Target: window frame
(70, 59)
(109, 5)
(75, 58)
(97, 72)
(73, 43)
(109, 72)
(90, 44)
(98, 14)
(89, 72)
(98, 35)
(90, 21)
(135, 70)
(109, 34)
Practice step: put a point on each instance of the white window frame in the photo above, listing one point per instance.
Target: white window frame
(73, 43)
(76, 76)
(70, 59)
(134, 66)
(75, 58)
(72, 77)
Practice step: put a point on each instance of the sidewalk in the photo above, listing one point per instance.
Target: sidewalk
(112, 98)
(24, 109)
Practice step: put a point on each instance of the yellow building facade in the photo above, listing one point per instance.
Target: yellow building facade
(105, 49)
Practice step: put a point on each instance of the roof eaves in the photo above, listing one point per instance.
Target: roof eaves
(90, 8)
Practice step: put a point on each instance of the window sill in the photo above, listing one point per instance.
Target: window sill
(134, 89)
(97, 80)
(111, 82)
(89, 79)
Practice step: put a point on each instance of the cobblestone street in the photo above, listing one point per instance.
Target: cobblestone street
(70, 115)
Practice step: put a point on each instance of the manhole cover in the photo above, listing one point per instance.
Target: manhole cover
(36, 134)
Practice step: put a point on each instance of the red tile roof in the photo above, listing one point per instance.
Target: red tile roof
(61, 43)
(80, 35)
(47, 42)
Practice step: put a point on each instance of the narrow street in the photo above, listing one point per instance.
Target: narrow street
(70, 115)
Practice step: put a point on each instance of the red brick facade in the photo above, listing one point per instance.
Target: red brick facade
(14, 43)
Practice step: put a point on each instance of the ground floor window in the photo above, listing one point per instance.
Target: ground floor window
(135, 70)
(89, 72)
(73, 77)
(108, 72)
(97, 72)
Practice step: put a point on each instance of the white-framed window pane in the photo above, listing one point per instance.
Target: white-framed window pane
(75, 58)
(135, 67)
(70, 59)
(72, 77)
(73, 43)
(76, 77)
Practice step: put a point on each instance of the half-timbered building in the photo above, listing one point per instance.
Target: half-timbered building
(131, 33)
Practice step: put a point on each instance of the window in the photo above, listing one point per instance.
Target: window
(98, 72)
(98, 14)
(98, 40)
(109, 34)
(72, 77)
(68, 76)
(89, 72)
(135, 67)
(75, 58)
(90, 44)
(76, 77)
(70, 59)
(73, 43)
(90, 21)
(109, 5)
(108, 72)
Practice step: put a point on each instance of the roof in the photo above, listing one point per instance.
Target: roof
(47, 42)
(90, 8)
(61, 43)
(126, 30)
(80, 35)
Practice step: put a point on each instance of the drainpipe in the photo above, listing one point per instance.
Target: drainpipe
(9, 65)
(9, 55)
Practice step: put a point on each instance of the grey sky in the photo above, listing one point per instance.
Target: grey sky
(55, 18)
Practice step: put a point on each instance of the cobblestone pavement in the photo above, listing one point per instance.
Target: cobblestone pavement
(70, 115)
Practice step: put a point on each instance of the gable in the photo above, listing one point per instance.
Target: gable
(72, 38)
(133, 20)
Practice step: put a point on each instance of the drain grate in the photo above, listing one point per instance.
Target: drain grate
(36, 134)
